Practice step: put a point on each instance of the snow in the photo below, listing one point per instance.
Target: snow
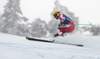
(16, 47)
(77, 38)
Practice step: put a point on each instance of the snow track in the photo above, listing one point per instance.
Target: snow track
(24, 49)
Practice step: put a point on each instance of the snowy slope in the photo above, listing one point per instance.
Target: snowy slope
(15, 47)
(77, 38)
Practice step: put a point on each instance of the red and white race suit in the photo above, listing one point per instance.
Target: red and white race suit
(67, 25)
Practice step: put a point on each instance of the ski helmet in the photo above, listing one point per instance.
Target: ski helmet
(56, 14)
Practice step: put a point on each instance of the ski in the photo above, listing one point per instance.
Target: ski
(80, 45)
(39, 39)
(51, 41)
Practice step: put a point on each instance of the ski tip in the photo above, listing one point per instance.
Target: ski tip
(39, 40)
(27, 38)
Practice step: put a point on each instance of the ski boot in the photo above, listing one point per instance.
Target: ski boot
(56, 35)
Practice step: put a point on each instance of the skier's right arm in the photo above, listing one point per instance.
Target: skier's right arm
(60, 24)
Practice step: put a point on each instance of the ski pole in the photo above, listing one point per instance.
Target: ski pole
(86, 24)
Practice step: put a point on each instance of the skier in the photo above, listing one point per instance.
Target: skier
(66, 24)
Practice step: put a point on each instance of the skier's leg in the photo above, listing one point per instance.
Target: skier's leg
(69, 28)
(59, 32)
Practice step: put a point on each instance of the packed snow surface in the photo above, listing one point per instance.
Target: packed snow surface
(15, 47)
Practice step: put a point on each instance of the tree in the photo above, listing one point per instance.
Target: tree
(94, 30)
(11, 16)
(38, 28)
